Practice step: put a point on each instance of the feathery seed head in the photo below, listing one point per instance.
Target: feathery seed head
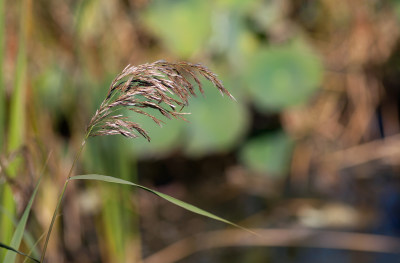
(160, 85)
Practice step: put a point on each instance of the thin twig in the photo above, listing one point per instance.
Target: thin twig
(275, 238)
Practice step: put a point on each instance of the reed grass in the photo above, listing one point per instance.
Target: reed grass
(3, 220)
(2, 86)
(18, 99)
(17, 121)
(115, 214)
(20, 228)
(161, 86)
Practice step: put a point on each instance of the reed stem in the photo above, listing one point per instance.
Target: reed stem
(60, 198)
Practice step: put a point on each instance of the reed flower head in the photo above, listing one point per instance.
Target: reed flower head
(161, 85)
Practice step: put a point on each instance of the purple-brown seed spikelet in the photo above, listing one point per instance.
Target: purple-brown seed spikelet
(161, 85)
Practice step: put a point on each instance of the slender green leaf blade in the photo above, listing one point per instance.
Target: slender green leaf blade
(2, 86)
(16, 251)
(16, 119)
(171, 199)
(19, 231)
(28, 239)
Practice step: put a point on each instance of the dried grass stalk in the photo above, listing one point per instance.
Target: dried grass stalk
(161, 85)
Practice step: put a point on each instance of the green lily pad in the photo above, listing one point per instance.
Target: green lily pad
(281, 77)
(216, 123)
(163, 139)
(268, 154)
(183, 25)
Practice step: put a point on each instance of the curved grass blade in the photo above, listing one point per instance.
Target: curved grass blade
(16, 251)
(171, 199)
(19, 231)
(28, 239)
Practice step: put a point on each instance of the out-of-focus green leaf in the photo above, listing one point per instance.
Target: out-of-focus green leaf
(236, 5)
(18, 99)
(91, 17)
(183, 25)
(216, 123)
(269, 154)
(396, 4)
(163, 139)
(51, 87)
(266, 13)
(2, 85)
(280, 77)
(171, 199)
(114, 154)
(16, 119)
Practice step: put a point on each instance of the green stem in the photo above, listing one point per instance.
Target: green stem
(60, 198)
(2, 86)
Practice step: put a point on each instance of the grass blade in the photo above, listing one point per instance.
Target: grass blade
(2, 86)
(16, 119)
(28, 238)
(16, 251)
(171, 199)
(19, 231)
(33, 246)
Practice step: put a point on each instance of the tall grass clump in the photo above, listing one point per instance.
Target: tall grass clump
(161, 86)
(14, 115)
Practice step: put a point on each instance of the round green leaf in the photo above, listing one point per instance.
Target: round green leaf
(163, 139)
(216, 123)
(280, 77)
(183, 25)
(268, 154)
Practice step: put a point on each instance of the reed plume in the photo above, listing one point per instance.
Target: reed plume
(161, 85)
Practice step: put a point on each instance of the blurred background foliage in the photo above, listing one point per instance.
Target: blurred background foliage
(311, 143)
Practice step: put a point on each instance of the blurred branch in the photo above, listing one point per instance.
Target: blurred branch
(375, 150)
(276, 238)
